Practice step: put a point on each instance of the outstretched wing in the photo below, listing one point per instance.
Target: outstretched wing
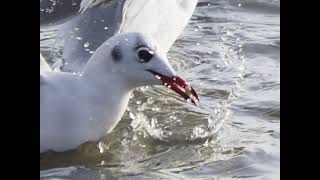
(101, 19)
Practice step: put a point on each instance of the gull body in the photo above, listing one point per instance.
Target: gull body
(78, 108)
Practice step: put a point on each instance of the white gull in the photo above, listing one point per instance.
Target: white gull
(76, 108)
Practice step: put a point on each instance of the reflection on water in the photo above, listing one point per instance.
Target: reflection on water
(230, 54)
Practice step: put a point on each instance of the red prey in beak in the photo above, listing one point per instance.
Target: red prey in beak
(178, 85)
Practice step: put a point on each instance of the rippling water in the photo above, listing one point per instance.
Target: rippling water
(230, 52)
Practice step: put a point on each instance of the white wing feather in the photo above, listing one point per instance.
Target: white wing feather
(86, 4)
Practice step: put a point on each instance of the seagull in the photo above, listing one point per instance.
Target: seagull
(80, 107)
(89, 23)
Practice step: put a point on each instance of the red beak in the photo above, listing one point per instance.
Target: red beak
(178, 85)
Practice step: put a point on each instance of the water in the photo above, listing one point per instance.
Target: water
(230, 52)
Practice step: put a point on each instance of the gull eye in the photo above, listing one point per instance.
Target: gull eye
(144, 54)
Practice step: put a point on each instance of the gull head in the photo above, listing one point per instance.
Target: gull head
(136, 59)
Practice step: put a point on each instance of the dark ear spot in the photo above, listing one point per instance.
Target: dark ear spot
(116, 53)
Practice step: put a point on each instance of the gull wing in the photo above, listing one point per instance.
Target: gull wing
(100, 19)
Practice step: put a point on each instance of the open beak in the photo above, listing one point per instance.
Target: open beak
(178, 85)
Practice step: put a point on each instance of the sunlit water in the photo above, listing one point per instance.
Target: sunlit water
(230, 52)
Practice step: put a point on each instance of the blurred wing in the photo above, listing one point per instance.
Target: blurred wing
(101, 19)
(86, 4)
(164, 20)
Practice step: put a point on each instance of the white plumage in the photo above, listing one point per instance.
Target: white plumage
(76, 108)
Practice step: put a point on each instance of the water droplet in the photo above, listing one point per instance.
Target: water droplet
(128, 109)
(155, 108)
(241, 68)
(102, 20)
(239, 5)
(223, 38)
(91, 52)
(173, 117)
(178, 122)
(197, 62)
(134, 138)
(150, 100)
(237, 84)
(206, 144)
(86, 44)
(229, 33)
(138, 102)
(106, 28)
(77, 29)
(174, 79)
(158, 77)
(79, 38)
(169, 86)
(132, 116)
(142, 145)
(154, 122)
(165, 84)
(198, 44)
(198, 132)
(189, 100)
(165, 133)
(101, 147)
(209, 4)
